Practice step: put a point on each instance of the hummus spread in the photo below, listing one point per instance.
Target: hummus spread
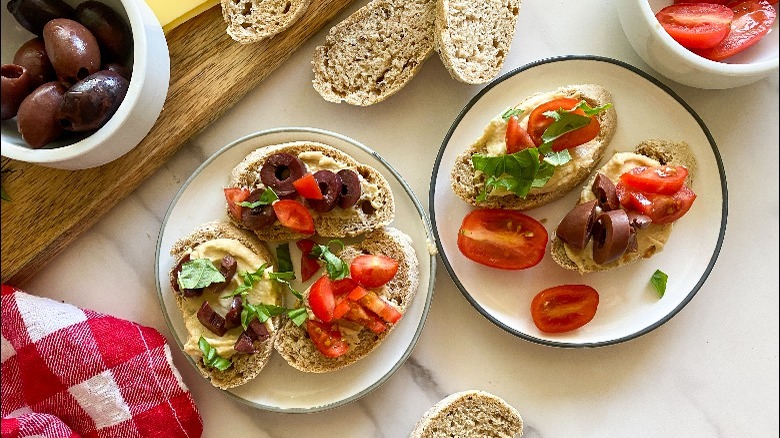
(316, 160)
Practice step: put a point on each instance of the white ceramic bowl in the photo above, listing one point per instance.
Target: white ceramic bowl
(674, 61)
(135, 116)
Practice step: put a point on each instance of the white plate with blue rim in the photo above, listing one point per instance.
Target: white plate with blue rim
(628, 306)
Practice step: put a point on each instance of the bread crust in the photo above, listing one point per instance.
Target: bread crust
(245, 366)
(469, 413)
(332, 224)
(293, 343)
(585, 158)
(250, 21)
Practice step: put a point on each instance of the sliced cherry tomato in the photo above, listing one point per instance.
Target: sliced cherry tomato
(341, 288)
(716, 2)
(373, 270)
(321, 299)
(564, 308)
(503, 239)
(308, 187)
(234, 196)
(696, 25)
(538, 123)
(326, 338)
(294, 215)
(752, 20)
(359, 314)
(662, 209)
(341, 309)
(376, 304)
(517, 138)
(663, 179)
(309, 265)
(357, 293)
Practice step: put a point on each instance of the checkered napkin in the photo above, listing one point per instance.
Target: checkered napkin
(68, 372)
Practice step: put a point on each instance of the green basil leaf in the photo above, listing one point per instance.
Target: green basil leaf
(563, 124)
(204, 346)
(199, 273)
(298, 316)
(509, 112)
(283, 258)
(558, 158)
(210, 356)
(221, 363)
(334, 266)
(517, 172)
(266, 198)
(658, 280)
(592, 111)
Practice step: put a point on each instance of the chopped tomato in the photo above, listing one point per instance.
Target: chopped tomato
(662, 179)
(696, 25)
(321, 299)
(517, 138)
(662, 209)
(357, 293)
(503, 239)
(309, 265)
(373, 270)
(294, 215)
(326, 338)
(341, 308)
(538, 122)
(564, 308)
(752, 20)
(376, 304)
(357, 313)
(343, 287)
(234, 196)
(717, 2)
(307, 187)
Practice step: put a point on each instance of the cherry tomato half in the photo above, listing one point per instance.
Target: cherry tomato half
(234, 196)
(309, 265)
(517, 138)
(376, 304)
(752, 20)
(662, 209)
(662, 179)
(326, 338)
(696, 25)
(308, 187)
(538, 123)
(372, 270)
(294, 215)
(503, 239)
(321, 299)
(564, 308)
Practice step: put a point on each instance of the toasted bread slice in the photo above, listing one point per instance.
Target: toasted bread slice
(293, 342)
(469, 414)
(474, 37)
(249, 21)
(375, 209)
(650, 240)
(245, 366)
(467, 184)
(374, 52)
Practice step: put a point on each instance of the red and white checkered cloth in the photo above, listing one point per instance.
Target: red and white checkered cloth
(68, 372)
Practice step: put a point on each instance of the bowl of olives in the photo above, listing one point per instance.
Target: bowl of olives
(83, 81)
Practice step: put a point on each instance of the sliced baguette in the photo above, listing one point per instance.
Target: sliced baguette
(374, 52)
(249, 21)
(474, 37)
(467, 185)
(358, 219)
(676, 153)
(245, 366)
(293, 342)
(469, 414)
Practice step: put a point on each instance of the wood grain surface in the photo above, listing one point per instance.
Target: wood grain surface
(51, 207)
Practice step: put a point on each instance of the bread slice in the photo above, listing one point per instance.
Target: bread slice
(249, 21)
(676, 153)
(467, 185)
(293, 342)
(469, 414)
(245, 366)
(374, 52)
(373, 210)
(474, 37)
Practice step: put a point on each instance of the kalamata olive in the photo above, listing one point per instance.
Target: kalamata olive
(34, 14)
(37, 117)
(32, 56)
(604, 190)
(258, 217)
(16, 85)
(111, 31)
(227, 267)
(233, 316)
(92, 101)
(611, 235)
(73, 50)
(350, 188)
(575, 228)
(119, 69)
(211, 319)
(279, 171)
(330, 186)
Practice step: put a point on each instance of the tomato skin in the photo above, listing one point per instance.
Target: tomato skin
(376, 304)
(326, 338)
(716, 2)
(372, 270)
(663, 179)
(538, 123)
(503, 239)
(662, 209)
(307, 187)
(564, 308)
(696, 25)
(752, 20)
(309, 265)
(321, 299)
(517, 138)
(234, 196)
(357, 313)
(294, 215)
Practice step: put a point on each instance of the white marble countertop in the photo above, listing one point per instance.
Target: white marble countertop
(712, 370)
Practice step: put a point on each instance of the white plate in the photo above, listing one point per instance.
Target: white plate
(628, 305)
(279, 387)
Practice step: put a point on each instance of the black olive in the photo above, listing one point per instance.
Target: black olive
(17, 83)
(258, 217)
(330, 186)
(37, 117)
(108, 27)
(279, 171)
(350, 188)
(90, 103)
(34, 14)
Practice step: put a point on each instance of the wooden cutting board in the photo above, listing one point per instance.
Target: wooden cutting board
(209, 73)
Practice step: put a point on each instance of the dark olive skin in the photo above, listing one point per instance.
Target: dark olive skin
(73, 50)
(350, 188)
(111, 31)
(32, 56)
(34, 14)
(37, 117)
(330, 186)
(91, 102)
(16, 85)
(119, 69)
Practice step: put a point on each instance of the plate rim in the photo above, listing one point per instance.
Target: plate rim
(426, 221)
(564, 58)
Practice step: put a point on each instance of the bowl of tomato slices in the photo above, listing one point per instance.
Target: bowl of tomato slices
(712, 44)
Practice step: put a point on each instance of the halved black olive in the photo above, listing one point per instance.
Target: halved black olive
(258, 217)
(280, 170)
(611, 235)
(575, 228)
(350, 188)
(604, 189)
(330, 186)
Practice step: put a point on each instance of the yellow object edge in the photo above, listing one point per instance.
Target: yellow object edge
(173, 13)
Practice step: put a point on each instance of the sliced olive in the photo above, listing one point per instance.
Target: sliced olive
(211, 319)
(233, 316)
(227, 267)
(611, 235)
(575, 227)
(280, 171)
(330, 186)
(244, 344)
(604, 189)
(258, 217)
(350, 188)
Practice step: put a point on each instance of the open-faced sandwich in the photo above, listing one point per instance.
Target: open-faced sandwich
(626, 211)
(294, 190)
(537, 151)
